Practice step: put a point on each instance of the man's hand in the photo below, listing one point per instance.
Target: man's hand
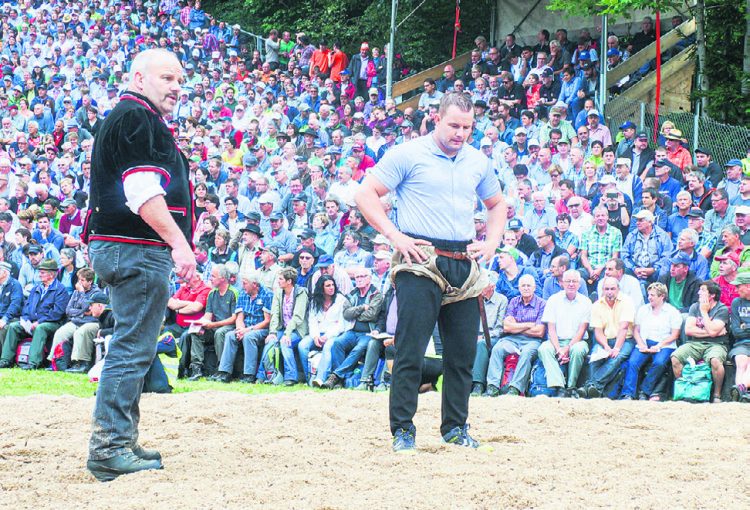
(614, 352)
(482, 251)
(286, 341)
(704, 305)
(408, 247)
(184, 261)
(319, 341)
(270, 338)
(34, 325)
(3, 323)
(563, 353)
(239, 333)
(389, 341)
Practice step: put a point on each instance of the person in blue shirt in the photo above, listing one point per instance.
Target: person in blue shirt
(510, 273)
(42, 314)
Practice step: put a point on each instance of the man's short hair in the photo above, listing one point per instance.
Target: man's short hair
(460, 101)
(619, 263)
(234, 200)
(86, 273)
(713, 289)
(721, 193)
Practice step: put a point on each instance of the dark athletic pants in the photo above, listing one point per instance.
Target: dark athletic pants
(419, 307)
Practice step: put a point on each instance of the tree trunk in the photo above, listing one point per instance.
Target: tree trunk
(746, 53)
(700, 41)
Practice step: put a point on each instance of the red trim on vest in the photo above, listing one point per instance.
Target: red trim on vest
(140, 102)
(147, 168)
(180, 210)
(114, 239)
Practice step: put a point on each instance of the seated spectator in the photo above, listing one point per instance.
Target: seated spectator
(629, 285)
(646, 249)
(269, 269)
(598, 245)
(728, 267)
(657, 326)
(288, 325)
(42, 314)
(739, 322)
(706, 334)
(541, 215)
(682, 284)
(79, 321)
(612, 319)
(363, 309)
(327, 266)
(252, 318)
(704, 242)
(85, 337)
(510, 274)
(495, 306)
(352, 256)
(730, 238)
(554, 281)
(541, 259)
(217, 320)
(11, 299)
(188, 304)
(567, 315)
(326, 322)
(524, 328)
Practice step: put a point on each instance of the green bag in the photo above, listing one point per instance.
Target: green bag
(695, 383)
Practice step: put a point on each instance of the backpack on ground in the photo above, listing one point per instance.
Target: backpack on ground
(22, 353)
(61, 356)
(538, 385)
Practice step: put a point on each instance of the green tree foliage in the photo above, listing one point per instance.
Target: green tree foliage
(424, 40)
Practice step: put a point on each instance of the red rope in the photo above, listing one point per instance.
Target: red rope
(456, 26)
(658, 76)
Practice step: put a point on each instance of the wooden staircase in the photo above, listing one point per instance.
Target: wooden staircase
(414, 82)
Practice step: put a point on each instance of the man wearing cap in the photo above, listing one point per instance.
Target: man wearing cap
(11, 299)
(682, 284)
(597, 130)
(78, 320)
(639, 154)
(646, 249)
(733, 179)
(626, 139)
(437, 233)
(728, 270)
(676, 153)
(706, 334)
(281, 238)
(42, 314)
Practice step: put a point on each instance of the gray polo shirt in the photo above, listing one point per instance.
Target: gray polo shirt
(436, 194)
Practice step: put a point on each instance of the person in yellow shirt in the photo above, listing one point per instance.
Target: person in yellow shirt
(612, 318)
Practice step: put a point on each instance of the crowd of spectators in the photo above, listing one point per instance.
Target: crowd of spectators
(294, 285)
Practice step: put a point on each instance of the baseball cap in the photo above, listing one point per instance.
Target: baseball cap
(515, 224)
(276, 216)
(299, 197)
(533, 143)
(382, 255)
(680, 258)
(607, 179)
(733, 256)
(325, 261)
(485, 142)
(733, 162)
(520, 130)
(743, 277)
(509, 250)
(623, 161)
(372, 91)
(307, 233)
(252, 228)
(702, 150)
(613, 52)
(98, 297)
(627, 125)
(265, 198)
(695, 212)
(480, 216)
(273, 250)
(381, 239)
(593, 112)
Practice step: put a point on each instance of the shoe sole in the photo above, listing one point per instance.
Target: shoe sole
(106, 475)
(406, 451)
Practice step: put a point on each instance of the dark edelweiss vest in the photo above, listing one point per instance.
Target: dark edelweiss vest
(134, 138)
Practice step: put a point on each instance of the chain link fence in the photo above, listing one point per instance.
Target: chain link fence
(723, 140)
